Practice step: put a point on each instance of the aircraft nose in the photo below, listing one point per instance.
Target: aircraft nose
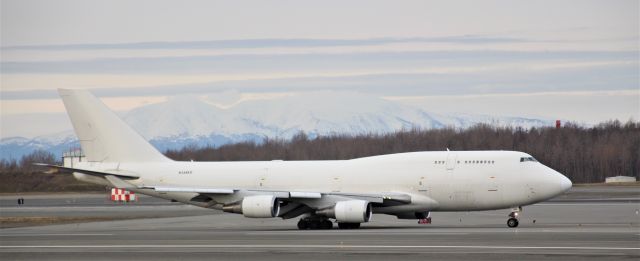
(555, 183)
(565, 183)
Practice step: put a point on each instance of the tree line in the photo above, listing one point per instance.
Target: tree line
(25, 164)
(584, 154)
(22, 176)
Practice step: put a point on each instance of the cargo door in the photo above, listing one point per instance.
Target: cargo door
(423, 186)
(262, 179)
(336, 184)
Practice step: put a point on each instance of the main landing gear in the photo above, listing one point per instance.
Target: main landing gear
(348, 225)
(314, 223)
(320, 222)
(513, 217)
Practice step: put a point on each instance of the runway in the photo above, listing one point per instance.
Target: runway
(573, 227)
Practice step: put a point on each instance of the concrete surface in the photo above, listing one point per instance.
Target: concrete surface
(598, 223)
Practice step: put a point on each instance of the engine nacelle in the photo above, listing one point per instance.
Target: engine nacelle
(350, 211)
(260, 206)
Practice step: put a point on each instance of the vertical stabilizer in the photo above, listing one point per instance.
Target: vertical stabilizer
(103, 136)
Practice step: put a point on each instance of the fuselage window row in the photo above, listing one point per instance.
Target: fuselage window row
(479, 162)
(470, 162)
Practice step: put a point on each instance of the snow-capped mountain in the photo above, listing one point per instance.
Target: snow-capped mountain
(187, 120)
(16, 147)
(320, 113)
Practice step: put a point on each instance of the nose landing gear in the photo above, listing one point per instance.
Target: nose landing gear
(425, 220)
(513, 217)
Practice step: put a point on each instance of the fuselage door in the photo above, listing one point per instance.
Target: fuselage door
(451, 160)
(493, 184)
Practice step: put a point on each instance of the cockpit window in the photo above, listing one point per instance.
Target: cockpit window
(524, 159)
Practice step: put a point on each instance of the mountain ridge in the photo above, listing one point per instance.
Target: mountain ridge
(194, 120)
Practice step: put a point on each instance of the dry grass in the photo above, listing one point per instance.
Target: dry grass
(43, 182)
(9, 222)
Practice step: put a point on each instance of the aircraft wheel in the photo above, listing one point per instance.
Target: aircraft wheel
(512, 222)
(314, 224)
(326, 224)
(348, 225)
(303, 224)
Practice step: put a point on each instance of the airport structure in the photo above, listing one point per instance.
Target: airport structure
(620, 179)
(72, 158)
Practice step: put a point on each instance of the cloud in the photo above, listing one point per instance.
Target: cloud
(439, 81)
(302, 62)
(578, 106)
(270, 43)
(524, 95)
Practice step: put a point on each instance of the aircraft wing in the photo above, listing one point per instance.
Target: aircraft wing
(207, 190)
(381, 198)
(118, 179)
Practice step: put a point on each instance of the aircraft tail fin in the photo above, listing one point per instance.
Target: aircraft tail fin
(103, 136)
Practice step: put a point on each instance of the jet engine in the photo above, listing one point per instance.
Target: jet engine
(260, 206)
(350, 211)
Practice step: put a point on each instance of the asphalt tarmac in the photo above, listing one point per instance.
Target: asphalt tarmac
(598, 223)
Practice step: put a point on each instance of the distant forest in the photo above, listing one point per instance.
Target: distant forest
(584, 154)
(22, 176)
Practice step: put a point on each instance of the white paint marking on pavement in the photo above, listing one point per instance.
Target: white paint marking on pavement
(325, 246)
(44, 235)
(305, 233)
(585, 204)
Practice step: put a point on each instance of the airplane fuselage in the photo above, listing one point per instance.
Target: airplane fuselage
(448, 180)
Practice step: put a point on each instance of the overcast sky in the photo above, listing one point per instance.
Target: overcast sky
(574, 60)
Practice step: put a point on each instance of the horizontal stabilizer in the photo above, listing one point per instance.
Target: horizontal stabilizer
(88, 172)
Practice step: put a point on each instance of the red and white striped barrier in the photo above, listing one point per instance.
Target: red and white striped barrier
(121, 195)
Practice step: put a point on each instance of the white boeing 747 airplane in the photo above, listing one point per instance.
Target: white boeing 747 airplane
(406, 185)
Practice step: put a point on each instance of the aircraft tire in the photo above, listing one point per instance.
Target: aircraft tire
(348, 225)
(314, 224)
(303, 224)
(326, 224)
(512, 222)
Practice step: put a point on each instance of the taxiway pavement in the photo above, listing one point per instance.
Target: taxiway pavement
(574, 227)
